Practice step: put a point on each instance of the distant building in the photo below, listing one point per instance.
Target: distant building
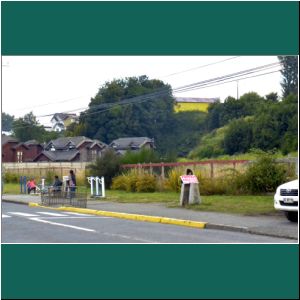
(79, 148)
(60, 121)
(122, 145)
(15, 151)
(190, 104)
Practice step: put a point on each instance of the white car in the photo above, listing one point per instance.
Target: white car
(286, 199)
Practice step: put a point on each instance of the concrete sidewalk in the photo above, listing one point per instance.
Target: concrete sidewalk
(277, 226)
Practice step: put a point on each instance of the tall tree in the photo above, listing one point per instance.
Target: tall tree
(289, 73)
(7, 121)
(135, 106)
(28, 128)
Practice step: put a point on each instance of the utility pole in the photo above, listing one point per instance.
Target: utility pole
(237, 90)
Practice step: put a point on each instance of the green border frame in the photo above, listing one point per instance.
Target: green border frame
(149, 28)
(149, 271)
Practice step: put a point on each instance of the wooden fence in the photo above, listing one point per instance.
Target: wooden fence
(212, 167)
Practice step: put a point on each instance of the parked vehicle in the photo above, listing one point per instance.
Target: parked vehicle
(286, 199)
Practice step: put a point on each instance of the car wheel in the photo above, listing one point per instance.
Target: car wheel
(292, 216)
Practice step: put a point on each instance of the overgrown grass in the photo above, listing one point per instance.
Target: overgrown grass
(126, 197)
(244, 205)
(11, 188)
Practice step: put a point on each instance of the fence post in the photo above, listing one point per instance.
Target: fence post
(211, 170)
(151, 169)
(162, 171)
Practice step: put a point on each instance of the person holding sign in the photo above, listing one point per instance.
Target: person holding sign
(189, 189)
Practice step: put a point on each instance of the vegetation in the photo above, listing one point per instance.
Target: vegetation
(108, 166)
(290, 75)
(251, 122)
(7, 121)
(245, 205)
(28, 128)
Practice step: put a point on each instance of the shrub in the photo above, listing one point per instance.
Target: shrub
(120, 183)
(11, 177)
(264, 175)
(135, 181)
(146, 183)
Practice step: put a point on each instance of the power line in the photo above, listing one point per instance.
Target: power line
(202, 66)
(164, 91)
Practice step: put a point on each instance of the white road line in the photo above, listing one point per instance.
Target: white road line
(63, 225)
(23, 214)
(5, 216)
(51, 214)
(76, 214)
(127, 237)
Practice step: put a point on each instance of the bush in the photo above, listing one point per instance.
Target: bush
(135, 181)
(146, 183)
(11, 177)
(264, 175)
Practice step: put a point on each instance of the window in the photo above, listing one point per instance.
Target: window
(19, 156)
(94, 154)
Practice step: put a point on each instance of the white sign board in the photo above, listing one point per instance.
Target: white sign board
(189, 179)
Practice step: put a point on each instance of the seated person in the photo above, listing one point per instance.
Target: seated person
(31, 186)
(57, 184)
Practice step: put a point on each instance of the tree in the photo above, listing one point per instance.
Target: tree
(135, 106)
(290, 75)
(7, 121)
(107, 166)
(28, 128)
(238, 137)
(272, 97)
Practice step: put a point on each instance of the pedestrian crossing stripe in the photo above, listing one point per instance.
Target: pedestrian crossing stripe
(5, 216)
(23, 214)
(51, 214)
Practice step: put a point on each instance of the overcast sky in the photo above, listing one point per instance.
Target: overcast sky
(51, 84)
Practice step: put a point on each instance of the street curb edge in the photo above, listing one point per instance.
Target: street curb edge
(134, 217)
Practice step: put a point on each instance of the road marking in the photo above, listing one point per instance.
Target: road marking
(51, 214)
(76, 214)
(127, 237)
(23, 214)
(61, 224)
(5, 216)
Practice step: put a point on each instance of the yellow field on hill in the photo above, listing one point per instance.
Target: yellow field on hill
(190, 106)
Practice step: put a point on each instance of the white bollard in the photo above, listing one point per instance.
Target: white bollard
(103, 186)
(97, 186)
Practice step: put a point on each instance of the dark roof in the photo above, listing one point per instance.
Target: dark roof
(20, 145)
(59, 155)
(32, 142)
(129, 142)
(62, 142)
(196, 100)
(95, 142)
(7, 139)
(63, 116)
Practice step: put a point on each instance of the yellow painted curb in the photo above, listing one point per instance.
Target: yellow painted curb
(127, 216)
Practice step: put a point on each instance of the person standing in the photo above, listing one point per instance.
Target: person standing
(72, 183)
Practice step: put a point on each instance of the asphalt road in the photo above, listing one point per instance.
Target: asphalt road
(23, 224)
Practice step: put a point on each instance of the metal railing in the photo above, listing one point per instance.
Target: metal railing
(63, 197)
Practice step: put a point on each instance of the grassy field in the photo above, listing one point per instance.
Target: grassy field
(244, 205)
